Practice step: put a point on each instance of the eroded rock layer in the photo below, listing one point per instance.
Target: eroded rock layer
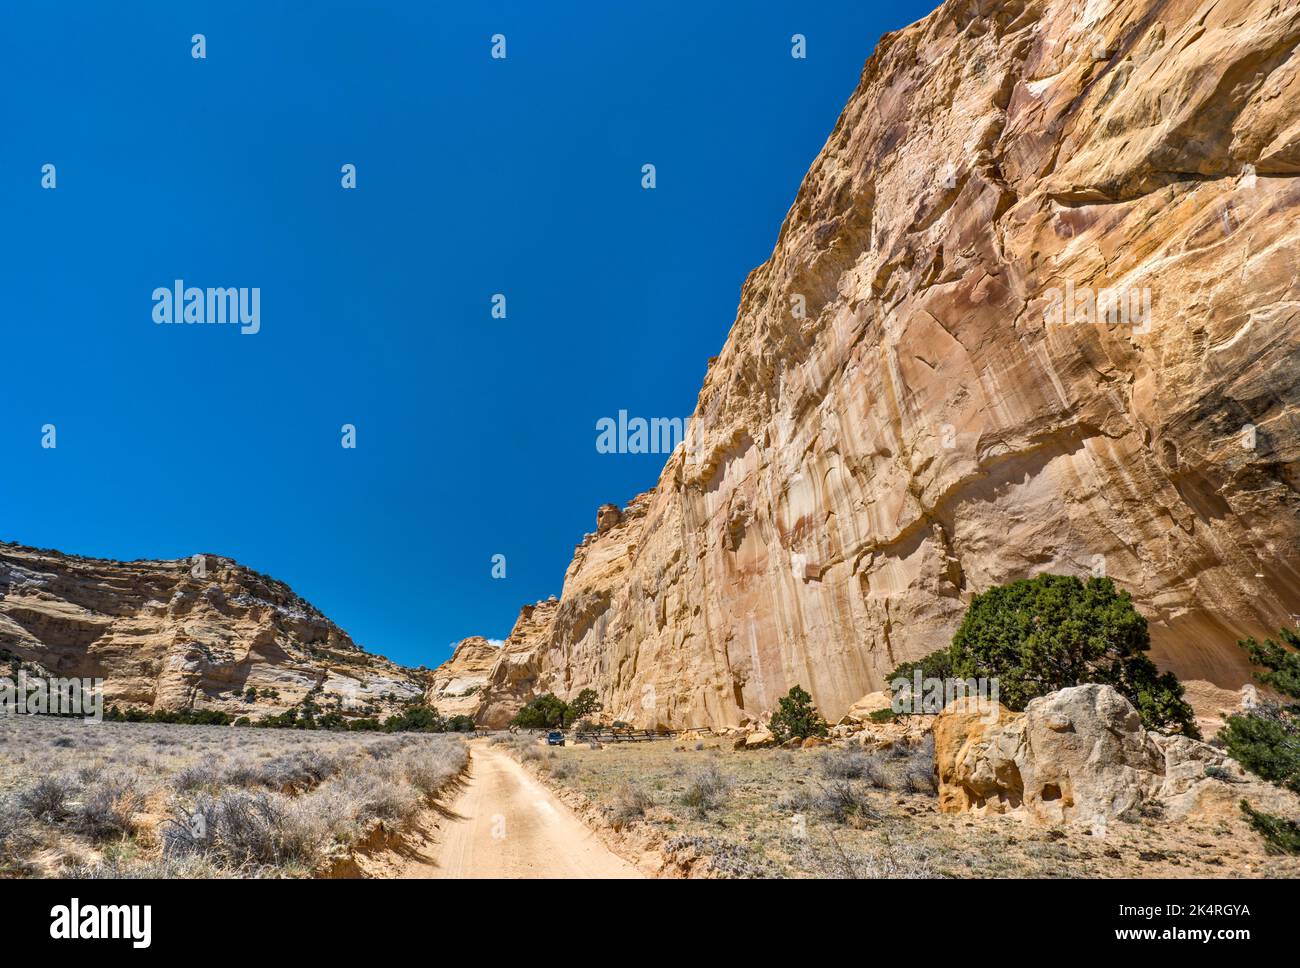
(914, 404)
(455, 686)
(187, 634)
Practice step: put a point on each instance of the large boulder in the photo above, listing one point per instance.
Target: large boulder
(608, 516)
(860, 711)
(976, 745)
(1085, 755)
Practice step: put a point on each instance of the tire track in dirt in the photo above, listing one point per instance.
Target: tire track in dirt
(506, 824)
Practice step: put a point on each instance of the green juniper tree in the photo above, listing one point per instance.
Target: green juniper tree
(796, 717)
(1281, 836)
(584, 705)
(1042, 634)
(1266, 739)
(544, 712)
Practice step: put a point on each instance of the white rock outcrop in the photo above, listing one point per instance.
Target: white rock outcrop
(1081, 755)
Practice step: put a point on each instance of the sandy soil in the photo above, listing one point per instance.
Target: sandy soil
(505, 824)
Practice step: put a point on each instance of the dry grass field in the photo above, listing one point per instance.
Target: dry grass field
(145, 800)
(846, 812)
(142, 800)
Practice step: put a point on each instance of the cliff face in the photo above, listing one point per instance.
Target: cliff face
(520, 670)
(914, 403)
(456, 683)
(164, 637)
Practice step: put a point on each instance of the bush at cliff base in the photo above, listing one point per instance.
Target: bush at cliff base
(796, 717)
(1046, 633)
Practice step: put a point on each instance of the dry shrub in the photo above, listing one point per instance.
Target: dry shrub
(827, 857)
(174, 867)
(15, 836)
(706, 790)
(239, 829)
(48, 798)
(845, 803)
(904, 766)
(798, 800)
(200, 776)
(430, 770)
(564, 769)
(631, 804)
(109, 807)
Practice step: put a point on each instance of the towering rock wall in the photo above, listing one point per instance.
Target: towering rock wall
(162, 636)
(913, 404)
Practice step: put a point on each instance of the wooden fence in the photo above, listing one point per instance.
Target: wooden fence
(635, 735)
(605, 734)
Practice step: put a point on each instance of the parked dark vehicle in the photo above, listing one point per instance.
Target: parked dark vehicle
(555, 738)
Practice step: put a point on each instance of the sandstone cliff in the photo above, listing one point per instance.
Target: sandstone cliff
(514, 673)
(454, 689)
(913, 404)
(164, 637)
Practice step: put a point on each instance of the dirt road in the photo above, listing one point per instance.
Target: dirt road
(506, 824)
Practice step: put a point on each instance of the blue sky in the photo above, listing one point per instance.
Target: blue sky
(475, 176)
